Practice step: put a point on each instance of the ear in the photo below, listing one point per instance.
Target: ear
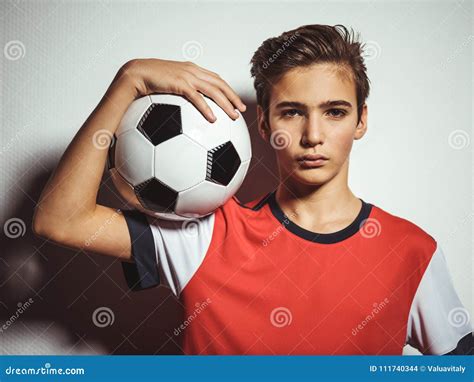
(263, 128)
(361, 128)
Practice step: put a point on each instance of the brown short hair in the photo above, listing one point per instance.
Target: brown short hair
(305, 46)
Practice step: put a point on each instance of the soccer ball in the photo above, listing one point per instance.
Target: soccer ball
(168, 161)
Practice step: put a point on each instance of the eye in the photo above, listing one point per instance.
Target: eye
(291, 113)
(339, 113)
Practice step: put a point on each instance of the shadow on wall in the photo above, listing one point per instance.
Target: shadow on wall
(54, 300)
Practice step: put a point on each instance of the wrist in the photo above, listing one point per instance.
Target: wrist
(129, 79)
(122, 90)
(118, 97)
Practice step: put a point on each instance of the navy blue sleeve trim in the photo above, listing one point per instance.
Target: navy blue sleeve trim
(143, 272)
(465, 346)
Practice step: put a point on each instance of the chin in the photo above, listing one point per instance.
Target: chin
(313, 177)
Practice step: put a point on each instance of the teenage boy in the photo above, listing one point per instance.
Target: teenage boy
(308, 268)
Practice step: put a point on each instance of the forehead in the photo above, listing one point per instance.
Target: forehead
(314, 84)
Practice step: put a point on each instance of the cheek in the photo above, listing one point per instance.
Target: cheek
(284, 155)
(341, 143)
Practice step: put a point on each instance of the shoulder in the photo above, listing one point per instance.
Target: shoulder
(238, 217)
(236, 205)
(402, 232)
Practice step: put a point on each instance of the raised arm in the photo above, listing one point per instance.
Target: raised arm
(67, 212)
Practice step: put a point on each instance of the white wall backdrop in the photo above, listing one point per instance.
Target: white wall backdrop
(58, 57)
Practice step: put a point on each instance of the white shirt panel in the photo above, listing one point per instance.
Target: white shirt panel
(181, 248)
(437, 318)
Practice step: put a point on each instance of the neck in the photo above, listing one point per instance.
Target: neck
(324, 208)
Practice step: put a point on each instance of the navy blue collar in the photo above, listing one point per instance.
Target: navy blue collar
(324, 238)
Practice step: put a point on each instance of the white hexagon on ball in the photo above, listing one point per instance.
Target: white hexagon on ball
(183, 153)
(134, 157)
(200, 130)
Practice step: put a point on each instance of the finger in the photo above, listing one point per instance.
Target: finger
(198, 100)
(218, 97)
(232, 95)
(225, 88)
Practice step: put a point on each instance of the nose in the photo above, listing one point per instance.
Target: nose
(312, 134)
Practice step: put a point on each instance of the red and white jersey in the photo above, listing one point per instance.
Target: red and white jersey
(253, 282)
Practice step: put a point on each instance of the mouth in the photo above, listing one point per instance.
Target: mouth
(312, 160)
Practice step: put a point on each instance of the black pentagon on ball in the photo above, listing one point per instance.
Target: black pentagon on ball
(161, 122)
(223, 162)
(156, 196)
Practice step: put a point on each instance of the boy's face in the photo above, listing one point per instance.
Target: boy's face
(300, 123)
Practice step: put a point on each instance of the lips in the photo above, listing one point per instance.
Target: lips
(312, 160)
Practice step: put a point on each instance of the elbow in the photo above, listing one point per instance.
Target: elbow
(44, 228)
(55, 229)
(39, 225)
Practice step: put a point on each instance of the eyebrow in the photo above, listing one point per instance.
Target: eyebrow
(322, 105)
